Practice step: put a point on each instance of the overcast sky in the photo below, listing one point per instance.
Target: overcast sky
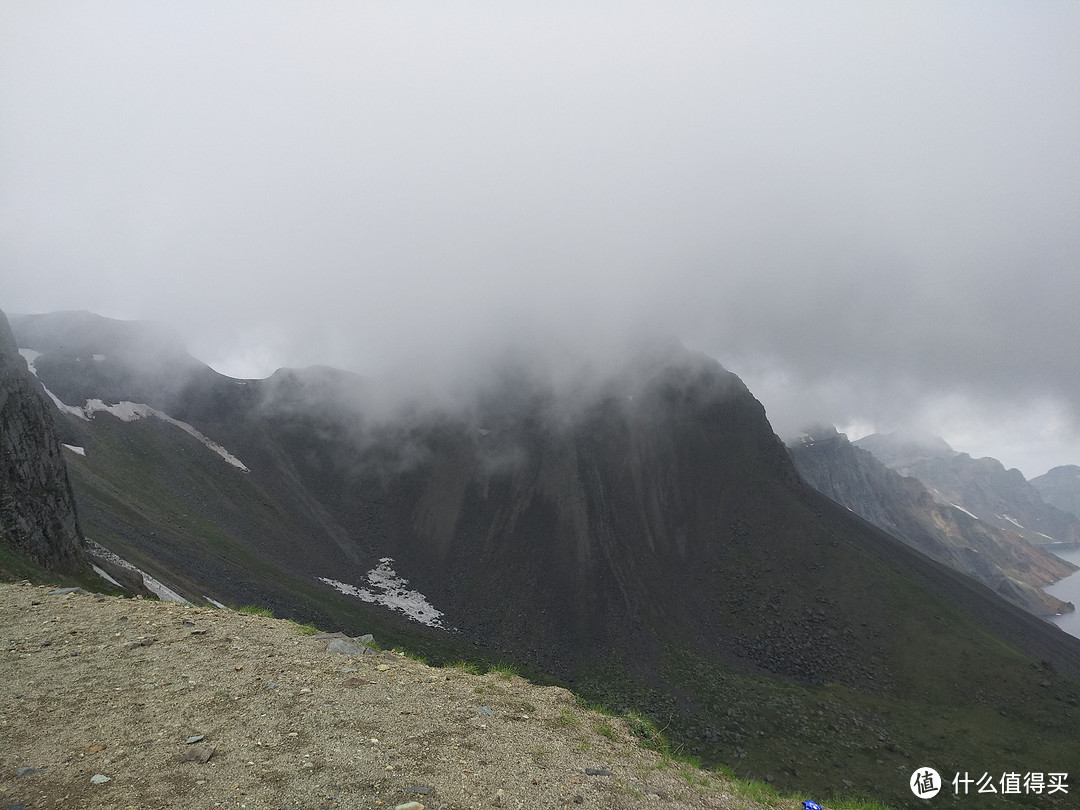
(868, 210)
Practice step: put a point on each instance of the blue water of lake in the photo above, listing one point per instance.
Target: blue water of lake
(1068, 590)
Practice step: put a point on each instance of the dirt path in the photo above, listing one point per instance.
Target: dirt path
(100, 686)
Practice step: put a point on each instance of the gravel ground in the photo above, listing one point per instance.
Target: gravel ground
(94, 686)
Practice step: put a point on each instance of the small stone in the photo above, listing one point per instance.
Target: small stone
(410, 806)
(305, 691)
(26, 770)
(346, 646)
(194, 738)
(423, 790)
(99, 779)
(383, 667)
(238, 667)
(198, 753)
(485, 711)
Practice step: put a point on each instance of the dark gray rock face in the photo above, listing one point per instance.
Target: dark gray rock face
(1002, 560)
(37, 508)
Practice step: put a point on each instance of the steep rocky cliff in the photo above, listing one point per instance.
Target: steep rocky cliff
(902, 506)
(37, 508)
(982, 486)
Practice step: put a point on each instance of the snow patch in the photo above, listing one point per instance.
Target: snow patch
(126, 412)
(962, 509)
(1011, 520)
(132, 411)
(30, 356)
(79, 451)
(388, 589)
(156, 587)
(214, 602)
(104, 575)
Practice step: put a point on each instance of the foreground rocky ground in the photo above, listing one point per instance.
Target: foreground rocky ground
(120, 703)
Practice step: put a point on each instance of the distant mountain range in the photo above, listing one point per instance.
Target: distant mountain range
(1061, 488)
(643, 536)
(1001, 559)
(981, 486)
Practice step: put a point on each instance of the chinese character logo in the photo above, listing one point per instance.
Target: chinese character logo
(925, 783)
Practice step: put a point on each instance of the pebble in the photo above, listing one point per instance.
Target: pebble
(383, 667)
(198, 753)
(99, 779)
(410, 806)
(26, 770)
(194, 738)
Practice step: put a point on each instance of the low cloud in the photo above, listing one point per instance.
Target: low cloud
(866, 211)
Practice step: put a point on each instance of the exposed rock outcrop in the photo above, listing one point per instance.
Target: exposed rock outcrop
(982, 486)
(1002, 560)
(37, 508)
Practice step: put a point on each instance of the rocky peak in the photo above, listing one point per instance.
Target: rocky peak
(37, 508)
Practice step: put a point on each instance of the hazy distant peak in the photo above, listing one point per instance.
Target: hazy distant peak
(1065, 471)
(79, 333)
(922, 439)
(902, 447)
(814, 434)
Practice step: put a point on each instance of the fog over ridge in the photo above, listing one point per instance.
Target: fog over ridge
(867, 212)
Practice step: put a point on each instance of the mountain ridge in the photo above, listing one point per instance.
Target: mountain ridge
(650, 544)
(1001, 497)
(900, 505)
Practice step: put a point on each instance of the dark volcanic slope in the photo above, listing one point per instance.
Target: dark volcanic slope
(643, 535)
(982, 486)
(1001, 560)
